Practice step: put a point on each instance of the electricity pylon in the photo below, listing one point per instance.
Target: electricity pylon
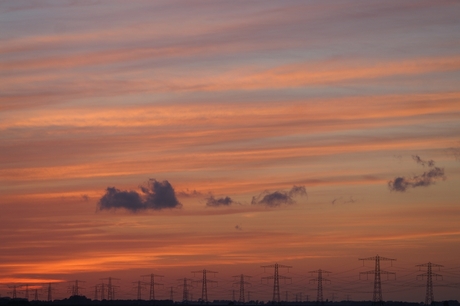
(14, 291)
(320, 279)
(102, 285)
(36, 295)
(377, 297)
(429, 297)
(50, 291)
(185, 295)
(27, 291)
(139, 287)
(75, 289)
(298, 297)
(96, 291)
(276, 280)
(152, 284)
(204, 284)
(110, 287)
(241, 282)
(171, 293)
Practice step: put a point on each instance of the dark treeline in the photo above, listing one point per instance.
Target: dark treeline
(81, 300)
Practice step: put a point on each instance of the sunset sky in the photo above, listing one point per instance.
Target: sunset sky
(167, 137)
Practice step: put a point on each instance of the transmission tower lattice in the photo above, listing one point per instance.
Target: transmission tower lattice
(50, 291)
(204, 284)
(139, 286)
(152, 284)
(320, 279)
(429, 297)
(27, 292)
(171, 293)
(276, 280)
(377, 297)
(110, 287)
(241, 282)
(75, 289)
(102, 291)
(185, 293)
(96, 291)
(14, 291)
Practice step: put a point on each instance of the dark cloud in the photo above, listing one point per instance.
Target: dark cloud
(156, 196)
(418, 160)
(213, 202)
(189, 193)
(426, 179)
(278, 198)
(297, 191)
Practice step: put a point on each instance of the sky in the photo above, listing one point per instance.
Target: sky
(166, 137)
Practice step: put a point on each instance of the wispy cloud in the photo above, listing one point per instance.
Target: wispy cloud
(278, 198)
(211, 201)
(342, 200)
(401, 183)
(156, 196)
(418, 160)
(189, 193)
(455, 152)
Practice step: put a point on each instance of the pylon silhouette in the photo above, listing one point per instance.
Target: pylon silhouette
(50, 298)
(152, 284)
(110, 288)
(27, 292)
(75, 289)
(139, 286)
(185, 292)
(320, 279)
(429, 297)
(241, 282)
(276, 280)
(377, 297)
(14, 292)
(204, 284)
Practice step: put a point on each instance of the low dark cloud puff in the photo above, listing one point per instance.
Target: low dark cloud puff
(401, 184)
(211, 201)
(156, 196)
(278, 198)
